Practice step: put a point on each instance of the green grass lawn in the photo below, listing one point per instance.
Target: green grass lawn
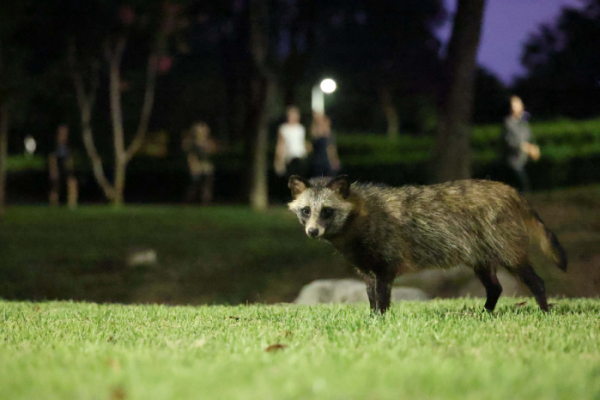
(443, 349)
(221, 254)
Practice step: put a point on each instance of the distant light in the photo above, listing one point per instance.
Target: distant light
(328, 85)
(30, 144)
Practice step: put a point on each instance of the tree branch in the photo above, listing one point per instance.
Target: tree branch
(114, 62)
(117, 54)
(140, 136)
(85, 102)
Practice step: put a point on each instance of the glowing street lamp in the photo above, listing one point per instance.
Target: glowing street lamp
(327, 86)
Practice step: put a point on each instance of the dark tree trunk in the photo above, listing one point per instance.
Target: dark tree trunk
(451, 156)
(261, 87)
(259, 197)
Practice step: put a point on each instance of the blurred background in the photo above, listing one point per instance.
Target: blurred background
(145, 144)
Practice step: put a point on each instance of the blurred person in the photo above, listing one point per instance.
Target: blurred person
(63, 184)
(291, 149)
(324, 158)
(199, 146)
(518, 142)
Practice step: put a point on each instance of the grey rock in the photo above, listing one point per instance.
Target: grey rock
(457, 282)
(437, 282)
(349, 291)
(510, 287)
(324, 291)
(141, 256)
(408, 294)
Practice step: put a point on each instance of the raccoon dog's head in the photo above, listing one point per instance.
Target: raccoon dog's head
(321, 204)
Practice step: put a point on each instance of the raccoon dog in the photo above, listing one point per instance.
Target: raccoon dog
(384, 231)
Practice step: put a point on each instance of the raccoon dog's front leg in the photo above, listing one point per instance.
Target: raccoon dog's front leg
(493, 288)
(379, 290)
(383, 291)
(370, 281)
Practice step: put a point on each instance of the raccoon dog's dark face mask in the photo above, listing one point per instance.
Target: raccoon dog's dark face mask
(321, 204)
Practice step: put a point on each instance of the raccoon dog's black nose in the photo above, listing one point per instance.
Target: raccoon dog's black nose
(312, 232)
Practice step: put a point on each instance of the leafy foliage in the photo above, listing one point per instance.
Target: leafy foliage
(559, 140)
(563, 64)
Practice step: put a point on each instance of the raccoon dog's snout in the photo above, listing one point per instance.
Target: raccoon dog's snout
(321, 206)
(312, 232)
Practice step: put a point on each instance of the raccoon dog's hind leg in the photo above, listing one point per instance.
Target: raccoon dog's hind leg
(533, 281)
(493, 289)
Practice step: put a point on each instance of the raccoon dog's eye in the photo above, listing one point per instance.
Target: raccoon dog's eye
(326, 212)
(305, 211)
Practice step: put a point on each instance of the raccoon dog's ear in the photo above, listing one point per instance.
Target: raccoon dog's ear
(297, 185)
(341, 185)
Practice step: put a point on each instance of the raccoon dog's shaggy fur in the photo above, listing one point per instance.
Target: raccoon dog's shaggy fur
(384, 231)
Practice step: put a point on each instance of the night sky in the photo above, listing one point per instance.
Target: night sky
(507, 25)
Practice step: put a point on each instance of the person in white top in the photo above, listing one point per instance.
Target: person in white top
(291, 150)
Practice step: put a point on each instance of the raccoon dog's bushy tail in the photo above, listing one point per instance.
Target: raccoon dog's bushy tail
(549, 243)
(557, 250)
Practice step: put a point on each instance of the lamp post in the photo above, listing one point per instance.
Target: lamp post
(327, 86)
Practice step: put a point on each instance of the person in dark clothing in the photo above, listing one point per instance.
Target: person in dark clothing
(518, 143)
(324, 158)
(63, 184)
